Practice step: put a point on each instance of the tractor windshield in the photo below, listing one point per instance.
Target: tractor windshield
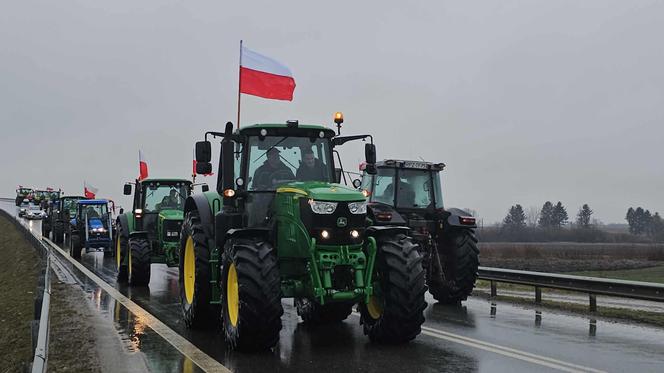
(162, 196)
(277, 160)
(69, 205)
(94, 211)
(414, 188)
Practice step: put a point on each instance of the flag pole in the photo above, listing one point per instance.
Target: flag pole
(239, 87)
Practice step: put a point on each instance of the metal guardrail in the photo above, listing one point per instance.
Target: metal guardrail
(592, 285)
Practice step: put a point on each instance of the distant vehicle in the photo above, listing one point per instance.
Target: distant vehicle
(39, 195)
(35, 212)
(21, 194)
(24, 207)
(58, 213)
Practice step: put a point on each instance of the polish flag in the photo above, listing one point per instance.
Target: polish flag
(264, 77)
(142, 166)
(89, 191)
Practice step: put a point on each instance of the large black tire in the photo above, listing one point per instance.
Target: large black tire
(75, 246)
(314, 314)
(194, 280)
(58, 232)
(45, 230)
(395, 312)
(139, 261)
(459, 257)
(251, 296)
(120, 247)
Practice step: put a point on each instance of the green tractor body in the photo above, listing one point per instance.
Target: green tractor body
(281, 226)
(21, 194)
(409, 193)
(150, 232)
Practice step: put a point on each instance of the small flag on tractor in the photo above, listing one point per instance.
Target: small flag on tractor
(89, 191)
(142, 166)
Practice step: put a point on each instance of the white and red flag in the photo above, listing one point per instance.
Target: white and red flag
(89, 191)
(264, 77)
(142, 166)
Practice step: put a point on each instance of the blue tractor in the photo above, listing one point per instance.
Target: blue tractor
(90, 228)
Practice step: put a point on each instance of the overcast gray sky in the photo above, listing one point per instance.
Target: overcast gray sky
(525, 101)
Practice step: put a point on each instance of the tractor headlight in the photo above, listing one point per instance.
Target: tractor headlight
(322, 207)
(357, 207)
(98, 230)
(172, 234)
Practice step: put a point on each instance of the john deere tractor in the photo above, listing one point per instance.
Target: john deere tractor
(409, 193)
(150, 232)
(280, 225)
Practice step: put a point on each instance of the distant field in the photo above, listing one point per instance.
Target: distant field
(571, 256)
(651, 274)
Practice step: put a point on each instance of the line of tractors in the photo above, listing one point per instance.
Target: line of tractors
(281, 224)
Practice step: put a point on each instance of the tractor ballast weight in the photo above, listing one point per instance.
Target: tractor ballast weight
(90, 229)
(267, 234)
(150, 231)
(409, 193)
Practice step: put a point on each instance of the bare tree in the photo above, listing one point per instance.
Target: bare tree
(532, 216)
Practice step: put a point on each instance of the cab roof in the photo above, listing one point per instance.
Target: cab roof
(92, 201)
(415, 165)
(163, 179)
(281, 129)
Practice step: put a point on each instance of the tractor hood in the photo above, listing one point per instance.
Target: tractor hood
(322, 191)
(95, 223)
(171, 215)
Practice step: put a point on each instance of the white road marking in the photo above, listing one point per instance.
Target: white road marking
(505, 351)
(200, 358)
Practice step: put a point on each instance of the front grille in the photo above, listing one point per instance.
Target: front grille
(171, 230)
(316, 223)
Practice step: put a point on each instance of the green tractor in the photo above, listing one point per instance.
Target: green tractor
(279, 226)
(409, 193)
(150, 232)
(21, 194)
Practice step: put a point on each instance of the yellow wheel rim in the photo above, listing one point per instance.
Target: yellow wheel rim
(189, 270)
(232, 295)
(117, 253)
(375, 308)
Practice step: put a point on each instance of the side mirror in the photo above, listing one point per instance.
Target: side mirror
(127, 189)
(205, 188)
(203, 152)
(357, 183)
(371, 169)
(370, 153)
(203, 168)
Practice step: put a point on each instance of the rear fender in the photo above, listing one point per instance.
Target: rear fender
(454, 218)
(377, 231)
(138, 234)
(253, 233)
(382, 214)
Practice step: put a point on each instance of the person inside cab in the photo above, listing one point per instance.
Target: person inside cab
(271, 171)
(311, 168)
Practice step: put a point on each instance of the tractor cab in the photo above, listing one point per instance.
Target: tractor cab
(412, 188)
(21, 194)
(158, 206)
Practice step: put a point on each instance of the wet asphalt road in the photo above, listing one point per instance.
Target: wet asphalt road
(456, 338)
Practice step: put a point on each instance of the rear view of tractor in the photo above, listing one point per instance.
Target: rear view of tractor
(90, 229)
(59, 214)
(280, 225)
(150, 232)
(409, 193)
(52, 200)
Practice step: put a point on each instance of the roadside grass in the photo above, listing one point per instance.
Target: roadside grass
(652, 274)
(18, 283)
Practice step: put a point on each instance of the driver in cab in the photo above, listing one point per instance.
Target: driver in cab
(272, 170)
(311, 168)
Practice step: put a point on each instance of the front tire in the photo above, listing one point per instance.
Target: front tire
(251, 295)
(313, 313)
(139, 261)
(194, 278)
(395, 312)
(58, 232)
(120, 246)
(459, 258)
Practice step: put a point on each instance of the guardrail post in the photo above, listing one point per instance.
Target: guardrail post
(538, 295)
(494, 291)
(593, 302)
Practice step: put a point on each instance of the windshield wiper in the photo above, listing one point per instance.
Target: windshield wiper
(271, 147)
